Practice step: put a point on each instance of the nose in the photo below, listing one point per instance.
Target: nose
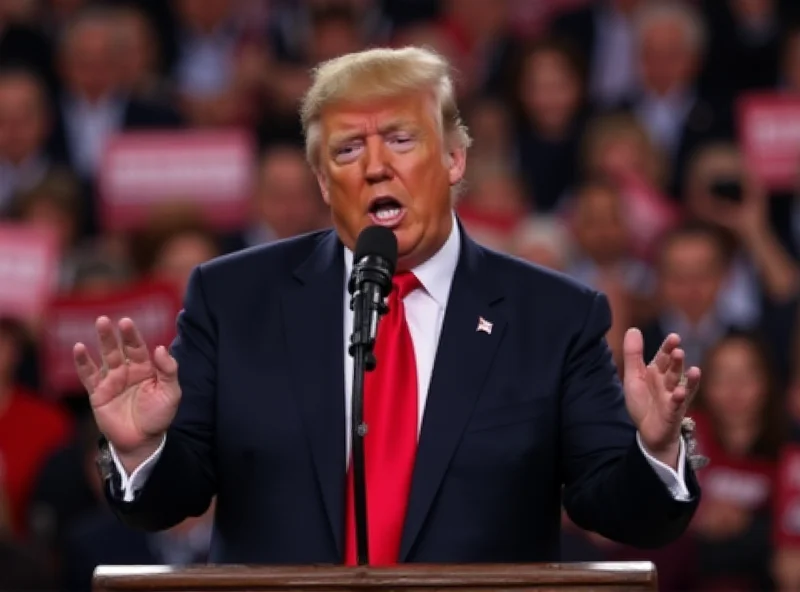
(376, 165)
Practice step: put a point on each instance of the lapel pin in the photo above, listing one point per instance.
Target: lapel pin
(484, 325)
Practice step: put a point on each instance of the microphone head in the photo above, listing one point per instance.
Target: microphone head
(377, 241)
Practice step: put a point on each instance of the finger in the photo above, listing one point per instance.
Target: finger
(674, 371)
(88, 372)
(166, 366)
(662, 358)
(693, 376)
(110, 350)
(133, 346)
(633, 351)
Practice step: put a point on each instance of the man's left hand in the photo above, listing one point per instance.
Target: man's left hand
(658, 394)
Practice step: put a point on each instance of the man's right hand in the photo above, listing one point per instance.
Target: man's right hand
(134, 396)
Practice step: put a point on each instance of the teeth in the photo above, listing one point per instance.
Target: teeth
(387, 214)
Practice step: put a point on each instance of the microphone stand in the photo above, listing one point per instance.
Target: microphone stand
(367, 307)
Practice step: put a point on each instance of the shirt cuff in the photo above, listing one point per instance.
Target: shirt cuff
(131, 485)
(674, 481)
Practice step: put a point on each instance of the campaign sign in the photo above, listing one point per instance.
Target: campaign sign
(769, 131)
(152, 306)
(29, 262)
(212, 170)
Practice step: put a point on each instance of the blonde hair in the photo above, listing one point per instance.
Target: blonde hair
(378, 74)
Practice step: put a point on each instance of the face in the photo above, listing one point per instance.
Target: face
(288, 200)
(386, 163)
(91, 62)
(620, 156)
(692, 272)
(668, 62)
(23, 120)
(180, 256)
(734, 387)
(550, 91)
(599, 225)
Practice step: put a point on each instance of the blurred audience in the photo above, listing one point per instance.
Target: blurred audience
(606, 146)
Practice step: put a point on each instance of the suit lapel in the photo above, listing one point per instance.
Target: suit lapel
(463, 360)
(314, 327)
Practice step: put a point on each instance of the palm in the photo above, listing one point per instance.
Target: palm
(133, 401)
(654, 395)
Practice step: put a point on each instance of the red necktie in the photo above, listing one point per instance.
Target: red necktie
(390, 446)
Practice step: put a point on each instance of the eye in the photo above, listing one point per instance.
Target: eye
(346, 152)
(401, 141)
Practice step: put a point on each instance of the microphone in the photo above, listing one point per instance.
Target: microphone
(370, 283)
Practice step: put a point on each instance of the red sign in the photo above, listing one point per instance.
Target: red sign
(29, 262)
(213, 170)
(153, 307)
(787, 509)
(769, 130)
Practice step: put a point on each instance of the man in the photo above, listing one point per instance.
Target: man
(498, 387)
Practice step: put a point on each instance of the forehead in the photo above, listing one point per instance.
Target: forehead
(408, 110)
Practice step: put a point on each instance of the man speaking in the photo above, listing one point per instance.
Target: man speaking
(494, 386)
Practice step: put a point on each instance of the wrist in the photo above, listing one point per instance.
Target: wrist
(667, 454)
(132, 458)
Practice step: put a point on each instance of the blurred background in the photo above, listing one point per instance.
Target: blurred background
(649, 149)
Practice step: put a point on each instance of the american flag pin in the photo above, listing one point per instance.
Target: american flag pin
(484, 325)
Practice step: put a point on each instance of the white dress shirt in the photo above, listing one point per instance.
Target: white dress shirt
(424, 309)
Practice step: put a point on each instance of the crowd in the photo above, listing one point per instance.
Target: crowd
(608, 145)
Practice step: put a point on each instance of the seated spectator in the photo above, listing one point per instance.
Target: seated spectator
(30, 430)
(543, 240)
(741, 428)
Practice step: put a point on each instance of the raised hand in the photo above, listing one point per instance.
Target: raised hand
(134, 396)
(657, 394)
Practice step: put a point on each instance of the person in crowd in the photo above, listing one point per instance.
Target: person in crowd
(30, 429)
(492, 204)
(176, 240)
(603, 239)
(670, 45)
(286, 200)
(692, 266)
(618, 151)
(95, 103)
(549, 95)
(741, 425)
(604, 31)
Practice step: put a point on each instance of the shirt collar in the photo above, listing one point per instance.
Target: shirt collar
(435, 274)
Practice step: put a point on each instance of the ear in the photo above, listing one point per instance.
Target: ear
(322, 181)
(456, 165)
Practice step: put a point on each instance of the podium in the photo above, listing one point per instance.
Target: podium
(605, 576)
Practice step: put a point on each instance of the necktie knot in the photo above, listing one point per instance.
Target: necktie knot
(404, 283)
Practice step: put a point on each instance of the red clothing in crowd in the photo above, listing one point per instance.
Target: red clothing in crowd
(30, 430)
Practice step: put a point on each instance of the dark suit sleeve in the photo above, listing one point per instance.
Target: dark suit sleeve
(609, 486)
(183, 480)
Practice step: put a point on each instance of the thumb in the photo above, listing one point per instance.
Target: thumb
(166, 366)
(633, 351)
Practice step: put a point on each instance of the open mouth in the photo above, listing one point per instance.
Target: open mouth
(386, 211)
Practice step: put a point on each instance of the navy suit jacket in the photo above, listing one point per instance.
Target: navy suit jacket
(511, 417)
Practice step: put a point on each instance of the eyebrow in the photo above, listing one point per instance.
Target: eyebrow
(387, 128)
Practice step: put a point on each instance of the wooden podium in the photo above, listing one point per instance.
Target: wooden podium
(628, 576)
